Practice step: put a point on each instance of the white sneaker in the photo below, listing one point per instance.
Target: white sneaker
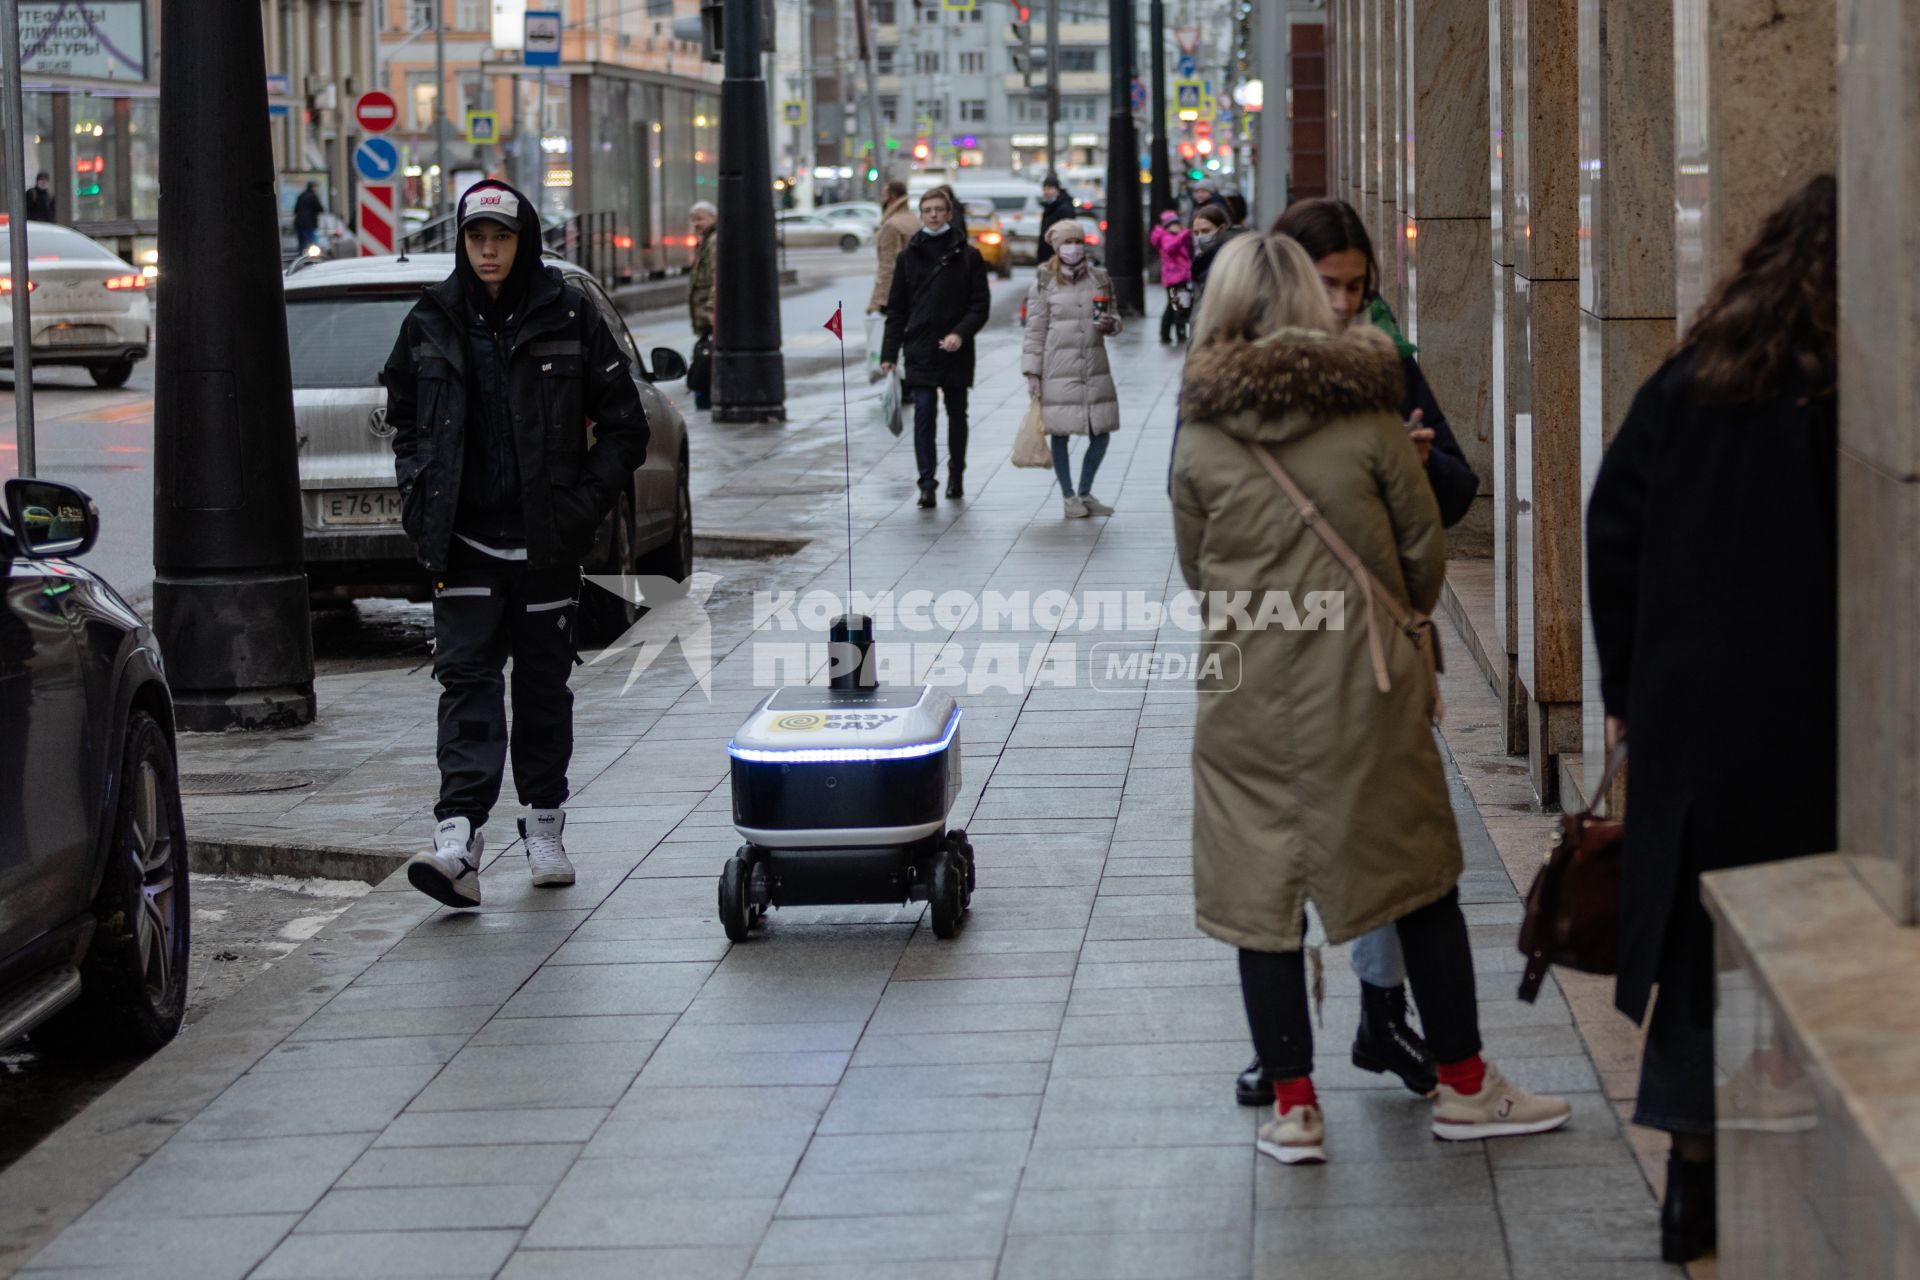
(1094, 506)
(1499, 1110)
(451, 873)
(1298, 1137)
(1075, 507)
(546, 855)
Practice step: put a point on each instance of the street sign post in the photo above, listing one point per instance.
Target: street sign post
(376, 159)
(375, 111)
(793, 111)
(377, 222)
(1188, 95)
(483, 127)
(543, 38)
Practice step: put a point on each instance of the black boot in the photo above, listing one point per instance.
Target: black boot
(1387, 1043)
(953, 485)
(1251, 1088)
(1687, 1228)
(926, 499)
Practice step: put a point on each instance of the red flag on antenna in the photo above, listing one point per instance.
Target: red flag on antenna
(833, 326)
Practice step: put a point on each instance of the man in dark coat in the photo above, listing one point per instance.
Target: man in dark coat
(1056, 206)
(40, 200)
(938, 302)
(490, 385)
(306, 217)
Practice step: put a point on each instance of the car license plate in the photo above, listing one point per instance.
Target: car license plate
(74, 335)
(360, 506)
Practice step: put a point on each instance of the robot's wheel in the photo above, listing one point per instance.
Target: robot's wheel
(736, 916)
(758, 895)
(957, 840)
(947, 895)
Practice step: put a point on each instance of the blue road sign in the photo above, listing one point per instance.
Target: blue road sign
(1186, 68)
(1139, 96)
(376, 159)
(542, 43)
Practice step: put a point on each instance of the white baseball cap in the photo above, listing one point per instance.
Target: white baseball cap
(496, 203)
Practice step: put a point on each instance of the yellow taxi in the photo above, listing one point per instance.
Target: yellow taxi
(989, 237)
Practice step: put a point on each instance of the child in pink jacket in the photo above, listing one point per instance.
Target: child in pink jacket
(1175, 245)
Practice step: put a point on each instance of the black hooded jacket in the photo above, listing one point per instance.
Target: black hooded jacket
(489, 401)
(1058, 209)
(939, 287)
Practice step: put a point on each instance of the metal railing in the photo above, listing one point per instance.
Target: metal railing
(592, 241)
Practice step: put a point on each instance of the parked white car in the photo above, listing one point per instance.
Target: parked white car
(89, 305)
(854, 211)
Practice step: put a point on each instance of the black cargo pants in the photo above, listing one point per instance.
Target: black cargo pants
(486, 610)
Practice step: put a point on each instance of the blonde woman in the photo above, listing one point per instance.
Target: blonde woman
(1311, 784)
(1070, 316)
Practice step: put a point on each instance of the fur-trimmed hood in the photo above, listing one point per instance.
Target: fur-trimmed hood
(1288, 384)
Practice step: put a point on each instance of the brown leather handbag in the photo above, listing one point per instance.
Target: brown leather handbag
(1573, 908)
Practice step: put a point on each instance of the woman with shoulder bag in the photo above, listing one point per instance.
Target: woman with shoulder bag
(1719, 488)
(1316, 775)
(1070, 316)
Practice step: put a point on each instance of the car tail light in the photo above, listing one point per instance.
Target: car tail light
(1093, 237)
(134, 281)
(6, 285)
(991, 237)
(1103, 224)
(623, 242)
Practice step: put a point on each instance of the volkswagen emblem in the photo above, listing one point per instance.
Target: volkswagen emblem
(377, 423)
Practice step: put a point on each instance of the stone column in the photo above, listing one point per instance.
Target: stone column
(1546, 306)
(1448, 311)
(1879, 172)
(1389, 241)
(1353, 101)
(1369, 202)
(1754, 117)
(1626, 247)
(1506, 385)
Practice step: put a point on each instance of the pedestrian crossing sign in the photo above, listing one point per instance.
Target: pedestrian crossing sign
(1189, 96)
(963, 6)
(483, 127)
(793, 111)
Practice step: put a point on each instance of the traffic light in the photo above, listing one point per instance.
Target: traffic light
(1186, 151)
(921, 150)
(873, 174)
(1195, 175)
(1022, 36)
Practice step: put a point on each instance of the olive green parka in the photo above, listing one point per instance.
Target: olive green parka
(1310, 783)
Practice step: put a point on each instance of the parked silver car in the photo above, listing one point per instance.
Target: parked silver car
(813, 231)
(342, 318)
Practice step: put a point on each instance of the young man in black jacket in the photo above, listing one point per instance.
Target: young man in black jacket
(937, 303)
(491, 383)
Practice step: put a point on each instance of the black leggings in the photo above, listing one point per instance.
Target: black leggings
(1439, 965)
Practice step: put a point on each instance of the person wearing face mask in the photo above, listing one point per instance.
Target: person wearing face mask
(937, 302)
(1212, 229)
(1064, 356)
(1333, 236)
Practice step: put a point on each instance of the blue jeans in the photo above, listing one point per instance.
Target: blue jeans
(1377, 958)
(926, 423)
(1096, 450)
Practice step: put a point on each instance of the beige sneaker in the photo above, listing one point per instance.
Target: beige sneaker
(1499, 1110)
(1298, 1137)
(1075, 507)
(1755, 1099)
(1094, 506)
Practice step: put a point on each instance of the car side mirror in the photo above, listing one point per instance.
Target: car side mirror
(50, 519)
(668, 365)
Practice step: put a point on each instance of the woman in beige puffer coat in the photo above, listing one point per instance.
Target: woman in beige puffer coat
(1064, 357)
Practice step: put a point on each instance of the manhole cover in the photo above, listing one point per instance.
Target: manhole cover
(231, 784)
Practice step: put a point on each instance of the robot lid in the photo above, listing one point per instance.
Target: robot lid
(800, 724)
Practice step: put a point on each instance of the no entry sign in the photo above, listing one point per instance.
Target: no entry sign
(376, 111)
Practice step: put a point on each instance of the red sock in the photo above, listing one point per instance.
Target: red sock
(1295, 1093)
(1465, 1076)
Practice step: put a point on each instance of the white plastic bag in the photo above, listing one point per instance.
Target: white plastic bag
(876, 338)
(890, 397)
(1030, 446)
